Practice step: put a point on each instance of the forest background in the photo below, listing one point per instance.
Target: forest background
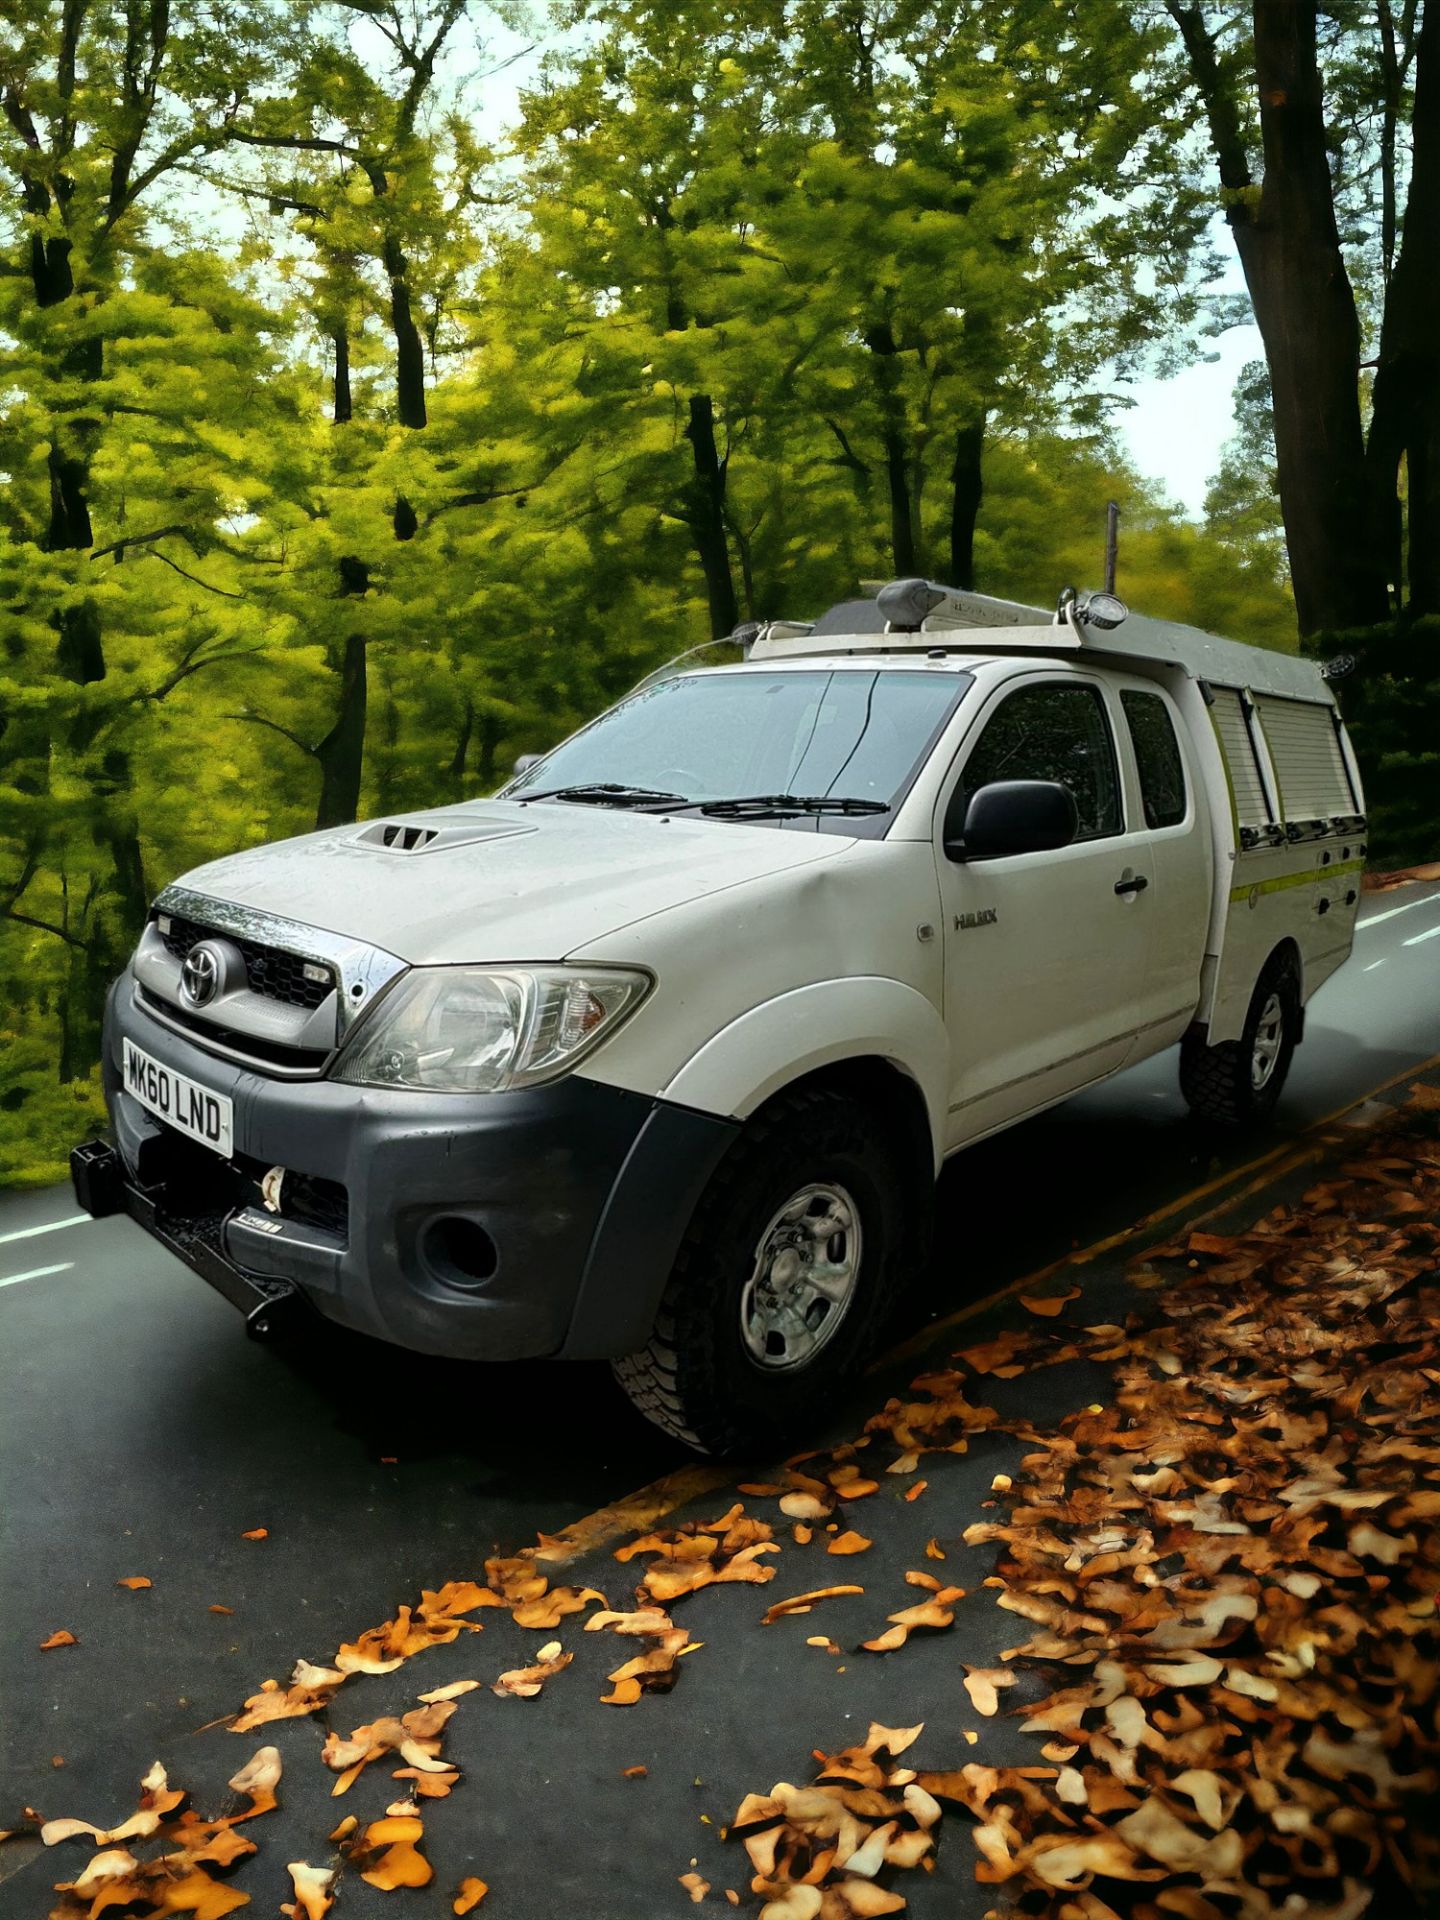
(349, 450)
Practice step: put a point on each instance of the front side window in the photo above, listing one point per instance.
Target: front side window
(1051, 732)
(712, 737)
(1157, 755)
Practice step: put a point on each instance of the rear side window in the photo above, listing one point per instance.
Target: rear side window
(1053, 732)
(1157, 754)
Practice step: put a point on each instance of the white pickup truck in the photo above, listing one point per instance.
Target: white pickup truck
(655, 1057)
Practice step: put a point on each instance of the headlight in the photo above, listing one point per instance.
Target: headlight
(483, 1030)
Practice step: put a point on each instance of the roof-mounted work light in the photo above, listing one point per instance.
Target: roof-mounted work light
(1103, 611)
(905, 603)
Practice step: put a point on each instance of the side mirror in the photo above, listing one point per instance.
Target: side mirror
(1015, 816)
(524, 764)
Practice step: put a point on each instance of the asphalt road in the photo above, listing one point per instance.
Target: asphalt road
(142, 1434)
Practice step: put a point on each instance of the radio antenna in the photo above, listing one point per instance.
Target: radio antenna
(1112, 544)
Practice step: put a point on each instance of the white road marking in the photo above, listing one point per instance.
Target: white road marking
(36, 1273)
(1372, 966)
(1429, 934)
(1430, 900)
(53, 1226)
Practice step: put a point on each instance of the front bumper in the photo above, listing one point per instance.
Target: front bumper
(484, 1226)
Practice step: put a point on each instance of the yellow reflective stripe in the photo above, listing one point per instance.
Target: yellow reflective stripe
(1254, 888)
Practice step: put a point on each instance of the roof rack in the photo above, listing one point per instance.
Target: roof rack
(913, 616)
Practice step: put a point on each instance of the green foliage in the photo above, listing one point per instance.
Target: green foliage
(347, 460)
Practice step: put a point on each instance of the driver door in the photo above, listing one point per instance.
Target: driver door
(1045, 953)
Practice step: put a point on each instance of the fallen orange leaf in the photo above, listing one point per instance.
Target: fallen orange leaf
(135, 1581)
(313, 1895)
(849, 1542)
(634, 1773)
(803, 1602)
(62, 1637)
(1049, 1304)
(694, 1886)
(914, 1493)
(470, 1894)
(218, 1609)
(400, 1862)
(523, 1683)
(256, 1533)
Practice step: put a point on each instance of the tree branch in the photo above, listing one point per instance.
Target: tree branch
(44, 926)
(297, 143)
(194, 578)
(259, 720)
(1217, 97)
(141, 540)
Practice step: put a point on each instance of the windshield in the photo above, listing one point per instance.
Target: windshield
(723, 736)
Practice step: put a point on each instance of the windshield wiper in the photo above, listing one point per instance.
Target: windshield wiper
(608, 793)
(768, 805)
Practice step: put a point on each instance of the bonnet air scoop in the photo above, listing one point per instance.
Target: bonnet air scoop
(419, 836)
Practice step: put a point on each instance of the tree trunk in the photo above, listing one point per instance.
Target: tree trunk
(462, 751)
(705, 516)
(904, 540)
(409, 347)
(1290, 252)
(69, 529)
(1405, 417)
(342, 752)
(342, 410)
(82, 1007)
(491, 729)
(967, 487)
(50, 270)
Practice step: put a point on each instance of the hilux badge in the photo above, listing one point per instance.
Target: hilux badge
(985, 917)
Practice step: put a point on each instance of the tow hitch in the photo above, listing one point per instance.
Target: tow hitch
(98, 1178)
(273, 1318)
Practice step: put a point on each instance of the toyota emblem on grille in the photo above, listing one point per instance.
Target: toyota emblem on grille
(200, 975)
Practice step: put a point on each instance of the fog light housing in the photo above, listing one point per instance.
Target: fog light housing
(459, 1250)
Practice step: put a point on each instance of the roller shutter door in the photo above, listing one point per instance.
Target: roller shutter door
(1252, 807)
(1307, 758)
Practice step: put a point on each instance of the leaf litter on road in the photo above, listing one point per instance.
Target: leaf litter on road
(178, 1878)
(1230, 1574)
(1229, 1578)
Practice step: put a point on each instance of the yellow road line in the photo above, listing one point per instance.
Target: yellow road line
(636, 1513)
(653, 1503)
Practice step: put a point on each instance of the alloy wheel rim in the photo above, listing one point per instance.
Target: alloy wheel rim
(1269, 1037)
(807, 1267)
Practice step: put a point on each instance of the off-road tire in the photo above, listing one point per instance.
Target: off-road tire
(694, 1377)
(1216, 1080)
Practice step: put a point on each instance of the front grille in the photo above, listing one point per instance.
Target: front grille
(277, 975)
(273, 1053)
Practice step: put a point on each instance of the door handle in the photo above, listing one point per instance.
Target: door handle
(1137, 884)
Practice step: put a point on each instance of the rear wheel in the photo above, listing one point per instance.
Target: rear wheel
(1238, 1083)
(784, 1277)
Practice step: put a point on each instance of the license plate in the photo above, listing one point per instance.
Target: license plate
(179, 1101)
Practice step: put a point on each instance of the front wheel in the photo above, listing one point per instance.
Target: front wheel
(1237, 1083)
(782, 1282)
